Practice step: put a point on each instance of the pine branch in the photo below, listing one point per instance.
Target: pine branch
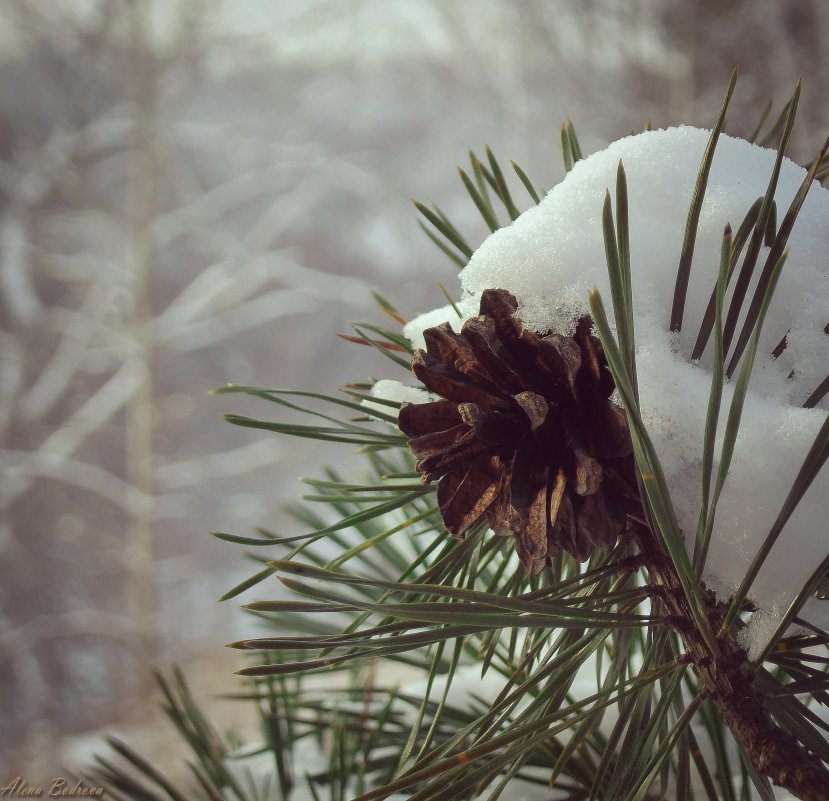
(511, 442)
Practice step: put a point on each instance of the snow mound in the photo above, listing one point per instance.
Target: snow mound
(554, 253)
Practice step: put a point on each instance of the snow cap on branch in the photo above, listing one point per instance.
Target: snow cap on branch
(554, 253)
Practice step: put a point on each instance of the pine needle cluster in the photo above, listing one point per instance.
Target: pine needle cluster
(372, 579)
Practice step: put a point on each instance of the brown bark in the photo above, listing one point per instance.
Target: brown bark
(727, 679)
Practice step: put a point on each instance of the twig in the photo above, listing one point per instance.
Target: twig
(727, 679)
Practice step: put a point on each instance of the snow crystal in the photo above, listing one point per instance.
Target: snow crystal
(389, 390)
(386, 389)
(554, 253)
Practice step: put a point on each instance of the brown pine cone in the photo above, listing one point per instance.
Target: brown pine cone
(525, 435)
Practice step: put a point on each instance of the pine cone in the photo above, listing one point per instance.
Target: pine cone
(525, 434)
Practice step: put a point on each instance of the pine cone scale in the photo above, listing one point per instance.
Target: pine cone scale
(480, 333)
(451, 383)
(534, 406)
(416, 419)
(466, 499)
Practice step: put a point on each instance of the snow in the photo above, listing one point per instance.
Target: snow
(389, 390)
(554, 253)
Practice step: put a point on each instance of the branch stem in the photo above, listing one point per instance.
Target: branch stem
(727, 679)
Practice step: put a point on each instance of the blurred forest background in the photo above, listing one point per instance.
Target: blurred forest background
(195, 193)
